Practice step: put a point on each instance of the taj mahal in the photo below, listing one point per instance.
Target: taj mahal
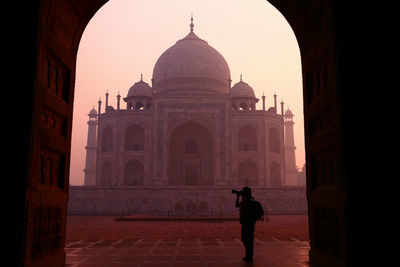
(179, 145)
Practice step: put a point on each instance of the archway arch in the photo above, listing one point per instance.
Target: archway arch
(134, 138)
(243, 106)
(56, 31)
(106, 174)
(274, 140)
(133, 173)
(107, 140)
(190, 155)
(247, 138)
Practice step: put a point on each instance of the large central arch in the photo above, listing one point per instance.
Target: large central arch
(190, 155)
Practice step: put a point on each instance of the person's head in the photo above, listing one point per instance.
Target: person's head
(246, 192)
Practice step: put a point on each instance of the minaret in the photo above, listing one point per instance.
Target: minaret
(263, 102)
(118, 101)
(290, 158)
(106, 101)
(90, 166)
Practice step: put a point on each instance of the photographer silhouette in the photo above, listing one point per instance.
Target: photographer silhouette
(250, 211)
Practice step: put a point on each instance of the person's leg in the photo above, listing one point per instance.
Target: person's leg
(251, 242)
(250, 249)
(243, 237)
(247, 240)
(249, 254)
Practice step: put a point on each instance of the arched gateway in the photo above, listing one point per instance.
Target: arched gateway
(190, 155)
(54, 33)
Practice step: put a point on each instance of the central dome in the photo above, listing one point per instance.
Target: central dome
(192, 64)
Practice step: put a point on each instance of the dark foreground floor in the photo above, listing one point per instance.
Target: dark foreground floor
(102, 241)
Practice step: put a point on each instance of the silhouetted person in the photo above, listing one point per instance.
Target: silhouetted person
(250, 211)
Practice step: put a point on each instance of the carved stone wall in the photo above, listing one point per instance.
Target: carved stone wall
(178, 201)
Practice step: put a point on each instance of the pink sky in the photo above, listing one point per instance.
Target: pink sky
(126, 37)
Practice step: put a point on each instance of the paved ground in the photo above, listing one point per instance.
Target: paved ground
(101, 241)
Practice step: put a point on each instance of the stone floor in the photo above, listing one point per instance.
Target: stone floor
(101, 242)
(185, 253)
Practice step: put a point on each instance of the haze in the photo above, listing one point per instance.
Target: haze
(126, 37)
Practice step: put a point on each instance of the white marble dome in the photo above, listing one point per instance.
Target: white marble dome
(242, 90)
(192, 61)
(140, 88)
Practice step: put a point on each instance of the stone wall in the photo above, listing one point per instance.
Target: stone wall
(179, 201)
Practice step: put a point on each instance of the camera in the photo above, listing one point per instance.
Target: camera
(237, 192)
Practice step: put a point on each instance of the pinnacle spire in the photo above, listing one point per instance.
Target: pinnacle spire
(241, 77)
(141, 77)
(191, 24)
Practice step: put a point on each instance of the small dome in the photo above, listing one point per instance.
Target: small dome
(242, 89)
(140, 88)
(289, 113)
(93, 112)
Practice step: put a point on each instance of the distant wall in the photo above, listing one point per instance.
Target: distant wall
(179, 201)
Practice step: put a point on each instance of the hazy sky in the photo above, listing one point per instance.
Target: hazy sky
(126, 37)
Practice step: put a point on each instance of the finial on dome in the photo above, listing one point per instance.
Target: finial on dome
(241, 76)
(141, 77)
(191, 24)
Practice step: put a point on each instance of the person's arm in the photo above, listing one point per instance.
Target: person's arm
(237, 201)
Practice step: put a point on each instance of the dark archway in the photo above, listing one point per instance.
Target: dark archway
(107, 140)
(51, 43)
(134, 138)
(274, 140)
(106, 174)
(133, 173)
(190, 155)
(248, 173)
(247, 138)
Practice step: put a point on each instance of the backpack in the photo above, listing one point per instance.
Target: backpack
(258, 210)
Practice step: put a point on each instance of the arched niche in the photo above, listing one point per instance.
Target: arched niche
(107, 140)
(134, 138)
(274, 141)
(247, 138)
(248, 173)
(190, 155)
(106, 174)
(133, 173)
